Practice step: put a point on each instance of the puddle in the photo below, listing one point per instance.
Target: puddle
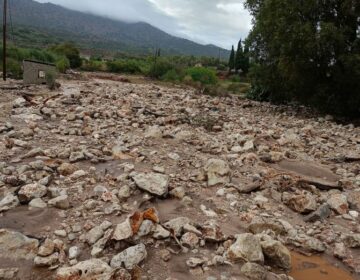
(316, 268)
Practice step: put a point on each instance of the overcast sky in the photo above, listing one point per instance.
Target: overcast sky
(219, 22)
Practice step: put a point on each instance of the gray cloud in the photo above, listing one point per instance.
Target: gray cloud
(220, 22)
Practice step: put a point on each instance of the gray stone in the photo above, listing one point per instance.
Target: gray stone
(160, 233)
(338, 203)
(322, 213)
(9, 273)
(94, 235)
(352, 240)
(217, 172)
(31, 191)
(130, 257)
(177, 225)
(16, 246)
(37, 203)
(10, 201)
(74, 252)
(90, 269)
(247, 247)
(276, 252)
(46, 261)
(123, 231)
(154, 183)
(253, 271)
(61, 202)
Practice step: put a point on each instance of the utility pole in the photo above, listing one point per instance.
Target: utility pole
(4, 40)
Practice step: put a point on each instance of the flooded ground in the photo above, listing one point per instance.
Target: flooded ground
(317, 268)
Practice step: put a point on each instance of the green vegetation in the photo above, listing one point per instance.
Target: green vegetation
(203, 75)
(50, 80)
(306, 51)
(70, 51)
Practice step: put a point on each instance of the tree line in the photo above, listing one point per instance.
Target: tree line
(308, 52)
(240, 60)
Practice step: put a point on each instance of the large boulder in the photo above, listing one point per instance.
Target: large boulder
(247, 247)
(217, 172)
(16, 246)
(154, 183)
(130, 257)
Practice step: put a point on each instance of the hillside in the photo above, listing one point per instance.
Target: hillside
(56, 23)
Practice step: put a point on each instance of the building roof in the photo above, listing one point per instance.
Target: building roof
(39, 62)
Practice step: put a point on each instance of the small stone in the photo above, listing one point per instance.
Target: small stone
(194, 262)
(322, 213)
(47, 248)
(74, 252)
(190, 240)
(66, 169)
(154, 132)
(165, 255)
(8, 273)
(60, 202)
(177, 225)
(46, 261)
(160, 233)
(338, 203)
(94, 235)
(123, 231)
(60, 233)
(37, 203)
(340, 251)
(352, 240)
(217, 172)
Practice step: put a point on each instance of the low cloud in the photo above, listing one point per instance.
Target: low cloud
(219, 22)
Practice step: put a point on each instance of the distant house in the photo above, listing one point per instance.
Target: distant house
(35, 71)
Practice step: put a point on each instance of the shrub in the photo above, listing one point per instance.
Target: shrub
(203, 75)
(93, 65)
(50, 77)
(62, 64)
(160, 69)
(172, 76)
(14, 69)
(128, 66)
(70, 51)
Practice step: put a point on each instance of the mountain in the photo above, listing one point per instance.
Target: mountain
(37, 23)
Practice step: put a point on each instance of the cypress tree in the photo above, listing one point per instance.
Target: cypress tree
(232, 59)
(239, 59)
(246, 62)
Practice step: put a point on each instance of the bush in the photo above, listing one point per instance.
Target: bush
(14, 69)
(50, 77)
(70, 51)
(203, 75)
(160, 69)
(93, 66)
(128, 66)
(172, 76)
(62, 64)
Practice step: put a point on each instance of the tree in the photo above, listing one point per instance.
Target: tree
(246, 60)
(308, 51)
(239, 58)
(70, 51)
(232, 59)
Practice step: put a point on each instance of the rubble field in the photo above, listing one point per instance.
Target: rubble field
(109, 179)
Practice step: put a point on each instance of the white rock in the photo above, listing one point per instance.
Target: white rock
(129, 258)
(123, 231)
(154, 183)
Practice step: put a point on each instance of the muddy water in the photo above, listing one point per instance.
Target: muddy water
(316, 268)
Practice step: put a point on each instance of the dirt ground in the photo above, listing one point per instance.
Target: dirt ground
(79, 163)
